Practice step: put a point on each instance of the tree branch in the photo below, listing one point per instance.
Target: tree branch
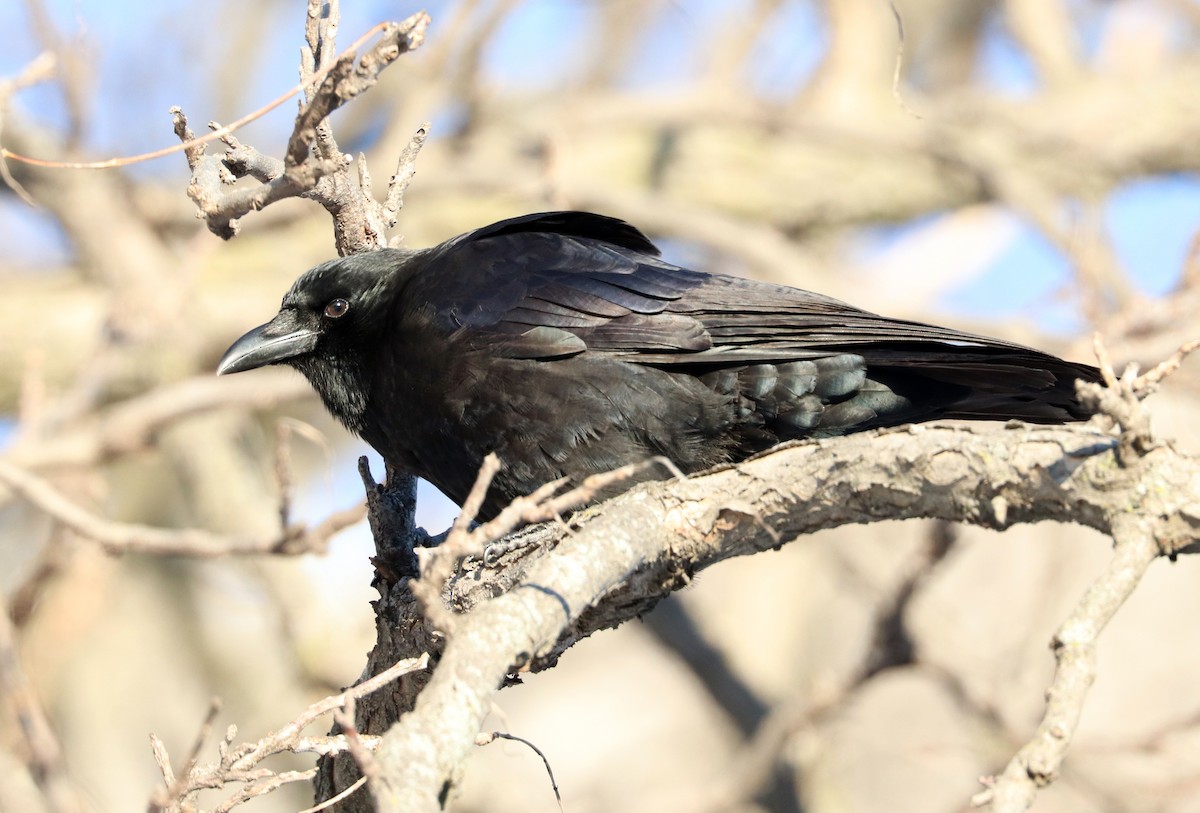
(241, 763)
(44, 754)
(1036, 764)
(360, 222)
(133, 424)
(125, 537)
(641, 545)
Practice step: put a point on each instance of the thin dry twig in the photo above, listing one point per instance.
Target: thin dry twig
(344, 718)
(406, 170)
(121, 537)
(470, 507)
(333, 800)
(241, 763)
(25, 595)
(193, 143)
(42, 68)
(900, 63)
(439, 563)
(278, 740)
(331, 744)
(489, 737)
(1120, 399)
(175, 785)
(133, 425)
(1036, 764)
(313, 166)
(262, 783)
(1147, 383)
(193, 148)
(43, 754)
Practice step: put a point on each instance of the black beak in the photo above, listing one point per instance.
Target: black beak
(277, 341)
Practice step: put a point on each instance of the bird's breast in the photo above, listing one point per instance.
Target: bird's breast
(545, 419)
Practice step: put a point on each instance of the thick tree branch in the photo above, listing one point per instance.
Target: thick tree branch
(620, 562)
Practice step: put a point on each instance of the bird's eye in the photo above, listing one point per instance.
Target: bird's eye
(337, 308)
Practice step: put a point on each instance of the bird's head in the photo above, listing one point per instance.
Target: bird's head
(326, 327)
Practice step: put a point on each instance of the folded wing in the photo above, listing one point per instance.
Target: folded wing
(567, 283)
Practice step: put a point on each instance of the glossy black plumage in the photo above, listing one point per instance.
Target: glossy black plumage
(564, 344)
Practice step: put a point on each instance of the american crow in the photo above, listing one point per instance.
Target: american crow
(562, 342)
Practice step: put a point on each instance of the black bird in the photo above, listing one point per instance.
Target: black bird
(562, 342)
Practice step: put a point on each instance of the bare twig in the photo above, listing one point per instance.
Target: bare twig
(121, 537)
(39, 70)
(174, 785)
(132, 425)
(43, 752)
(190, 145)
(241, 763)
(406, 170)
(437, 564)
(321, 174)
(260, 784)
(193, 149)
(344, 718)
(25, 595)
(333, 800)
(491, 736)
(320, 47)
(1036, 764)
(1120, 398)
(899, 63)
(278, 741)
(1148, 382)
(474, 501)
(331, 744)
(159, 797)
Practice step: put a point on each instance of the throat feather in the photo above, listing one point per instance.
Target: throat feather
(343, 386)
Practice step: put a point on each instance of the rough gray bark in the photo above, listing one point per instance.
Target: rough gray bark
(617, 562)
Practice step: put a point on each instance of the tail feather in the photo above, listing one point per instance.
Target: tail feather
(1028, 386)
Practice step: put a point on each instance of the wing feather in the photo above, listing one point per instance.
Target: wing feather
(599, 281)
